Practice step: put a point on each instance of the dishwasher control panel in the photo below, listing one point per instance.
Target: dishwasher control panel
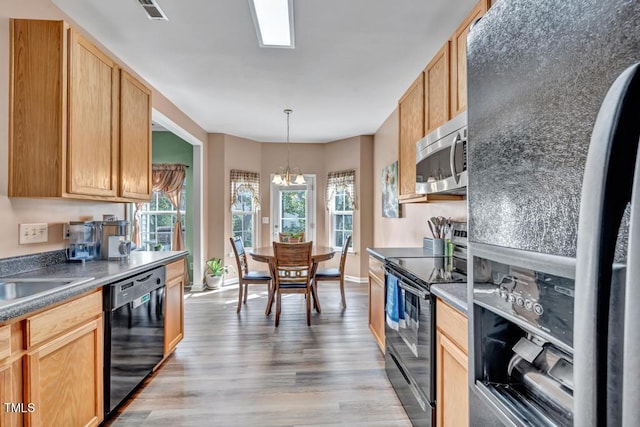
(130, 289)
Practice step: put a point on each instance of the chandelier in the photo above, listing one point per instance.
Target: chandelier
(286, 176)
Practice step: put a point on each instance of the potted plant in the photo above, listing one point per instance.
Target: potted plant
(214, 274)
(294, 237)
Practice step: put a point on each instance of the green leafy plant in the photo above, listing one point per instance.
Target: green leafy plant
(215, 267)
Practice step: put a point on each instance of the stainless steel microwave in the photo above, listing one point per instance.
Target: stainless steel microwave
(441, 159)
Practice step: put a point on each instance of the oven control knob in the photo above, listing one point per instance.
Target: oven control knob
(528, 304)
(503, 294)
(520, 301)
(158, 281)
(537, 309)
(512, 298)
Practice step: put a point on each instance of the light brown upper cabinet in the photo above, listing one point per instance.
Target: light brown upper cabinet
(135, 140)
(411, 128)
(69, 133)
(92, 144)
(459, 58)
(436, 90)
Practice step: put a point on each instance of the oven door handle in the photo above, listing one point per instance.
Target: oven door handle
(422, 294)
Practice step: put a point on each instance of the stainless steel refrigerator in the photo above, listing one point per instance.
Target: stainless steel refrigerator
(553, 229)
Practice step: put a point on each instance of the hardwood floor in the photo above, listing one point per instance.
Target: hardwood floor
(238, 369)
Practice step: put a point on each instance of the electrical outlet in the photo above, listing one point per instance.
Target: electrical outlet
(65, 231)
(34, 233)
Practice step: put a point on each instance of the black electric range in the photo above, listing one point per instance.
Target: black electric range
(426, 271)
(410, 342)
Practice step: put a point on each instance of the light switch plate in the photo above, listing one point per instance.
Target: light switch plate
(265, 220)
(34, 233)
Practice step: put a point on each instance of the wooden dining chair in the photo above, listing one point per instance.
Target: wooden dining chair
(335, 274)
(246, 277)
(293, 265)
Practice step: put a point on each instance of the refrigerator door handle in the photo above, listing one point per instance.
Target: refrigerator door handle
(631, 389)
(452, 157)
(606, 187)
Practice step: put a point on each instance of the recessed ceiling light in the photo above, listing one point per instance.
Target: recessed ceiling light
(273, 20)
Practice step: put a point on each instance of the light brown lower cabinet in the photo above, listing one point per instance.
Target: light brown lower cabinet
(65, 378)
(11, 389)
(174, 303)
(376, 301)
(51, 373)
(452, 391)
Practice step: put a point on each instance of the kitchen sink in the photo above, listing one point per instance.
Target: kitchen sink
(12, 289)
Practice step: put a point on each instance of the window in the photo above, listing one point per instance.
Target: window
(157, 219)
(242, 217)
(245, 193)
(342, 219)
(341, 202)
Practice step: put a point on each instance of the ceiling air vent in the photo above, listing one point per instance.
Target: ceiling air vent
(153, 10)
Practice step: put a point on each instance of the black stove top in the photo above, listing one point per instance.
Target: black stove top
(427, 271)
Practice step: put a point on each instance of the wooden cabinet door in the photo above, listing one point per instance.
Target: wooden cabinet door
(452, 389)
(452, 396)
(65, 378)
(174, 314)
(459, 59)
(92, 144)
(436, 90)
(411, 117)
(11, 393)
(376, 301)
(135, 138)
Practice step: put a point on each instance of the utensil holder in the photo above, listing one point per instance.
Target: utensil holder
(438, 247)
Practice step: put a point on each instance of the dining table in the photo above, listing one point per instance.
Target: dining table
(318, 255)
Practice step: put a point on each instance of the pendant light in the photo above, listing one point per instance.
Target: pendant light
(284, 176)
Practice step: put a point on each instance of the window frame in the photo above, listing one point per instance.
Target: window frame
(334, 212)
(155, 197)
(252, 213)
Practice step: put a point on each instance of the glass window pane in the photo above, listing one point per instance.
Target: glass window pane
(340, 222)
(339, 241)
(247, 222)
(348, 222)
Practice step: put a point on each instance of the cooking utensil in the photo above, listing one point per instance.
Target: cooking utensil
(431, 227)
(435, 221)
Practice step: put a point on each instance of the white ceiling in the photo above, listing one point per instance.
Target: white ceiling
(353, 59)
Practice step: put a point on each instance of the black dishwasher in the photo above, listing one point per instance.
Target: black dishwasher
(133, 333)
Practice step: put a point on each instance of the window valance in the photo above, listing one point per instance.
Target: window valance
(342, 180)
(244, 180)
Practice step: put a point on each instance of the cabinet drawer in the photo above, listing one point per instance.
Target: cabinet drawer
(376, 269)
(52, 322)
(175, 269)
(5, 341)
(452, 323)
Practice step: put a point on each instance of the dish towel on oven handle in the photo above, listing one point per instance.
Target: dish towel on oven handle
(395, 304)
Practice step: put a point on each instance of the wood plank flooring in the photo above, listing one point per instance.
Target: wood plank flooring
(240, 370)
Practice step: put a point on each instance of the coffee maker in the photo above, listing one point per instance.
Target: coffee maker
(84, 241)
(116, 244)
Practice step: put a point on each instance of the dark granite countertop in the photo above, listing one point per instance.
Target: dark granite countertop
(454, 294)
(416, 252)
(100, 273)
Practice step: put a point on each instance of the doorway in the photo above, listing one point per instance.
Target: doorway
(293, 208)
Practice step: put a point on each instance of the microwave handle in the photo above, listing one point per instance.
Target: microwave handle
(452, 158)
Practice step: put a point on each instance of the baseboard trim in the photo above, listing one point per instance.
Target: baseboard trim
(356, 279)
